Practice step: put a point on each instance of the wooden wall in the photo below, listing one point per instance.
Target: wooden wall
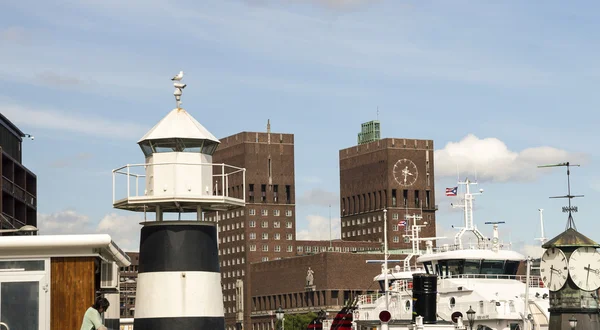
(72, 288)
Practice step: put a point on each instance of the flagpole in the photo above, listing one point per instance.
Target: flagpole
(330, 243)
(385, 259)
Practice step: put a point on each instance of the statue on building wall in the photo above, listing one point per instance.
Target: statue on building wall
(309, 277)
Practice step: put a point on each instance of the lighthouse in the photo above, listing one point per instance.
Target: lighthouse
(179, 280)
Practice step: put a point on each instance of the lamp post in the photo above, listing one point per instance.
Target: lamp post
(471, 317)
(573, 322)
(24, 229)
(280, 316)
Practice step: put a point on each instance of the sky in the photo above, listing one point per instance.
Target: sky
(500, 87)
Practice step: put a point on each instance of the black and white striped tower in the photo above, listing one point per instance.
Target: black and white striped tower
(179, 280)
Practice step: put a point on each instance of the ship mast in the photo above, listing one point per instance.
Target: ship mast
(468, 214)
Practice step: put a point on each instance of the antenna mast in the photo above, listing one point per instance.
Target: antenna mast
(567, 209)
(495, 238)
(543, 238)
(468, 215)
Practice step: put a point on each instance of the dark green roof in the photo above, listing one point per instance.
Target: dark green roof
(570, 238)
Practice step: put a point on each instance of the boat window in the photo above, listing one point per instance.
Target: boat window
(454, 267)
(492, 267)
(471, 267)
(511, 267)
(443, 268)
(428, 267)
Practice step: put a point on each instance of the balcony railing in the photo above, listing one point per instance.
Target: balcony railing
(221, 181)
(18, 192)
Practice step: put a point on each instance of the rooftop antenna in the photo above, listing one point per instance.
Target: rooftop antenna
(330, 243)
(543, 238)
(495, 239)
(567, 209)
(178, 88)
(377, 112)
(29, 136)
(268, 125)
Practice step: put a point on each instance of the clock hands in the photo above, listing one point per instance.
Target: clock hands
(406, 173)
(587, 279)
(595, 271)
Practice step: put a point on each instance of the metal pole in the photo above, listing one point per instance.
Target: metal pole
(526, 305)
(223, 179)
(330, 243)
(385, 259)
(114, 180)
(128, 183)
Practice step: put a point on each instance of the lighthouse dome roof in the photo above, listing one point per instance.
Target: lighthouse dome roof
(178, 124)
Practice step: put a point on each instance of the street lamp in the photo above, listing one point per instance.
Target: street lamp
(471, 317)
(25, 229)
(573, 322)
(280, 316)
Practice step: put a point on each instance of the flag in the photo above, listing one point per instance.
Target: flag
(402, 223)
(343, 319)
(451, 191)
(315, 324)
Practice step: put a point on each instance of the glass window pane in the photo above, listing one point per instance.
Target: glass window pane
(492, 267)
(27, 265)
(19, 305)
(471, 267)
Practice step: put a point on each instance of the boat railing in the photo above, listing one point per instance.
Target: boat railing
(484, 309)
(369, 299)
(486, 245)
(535, 281)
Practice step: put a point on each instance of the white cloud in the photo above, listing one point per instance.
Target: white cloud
(319, 197)
(123, 229)
(71, 122)
(534, 251)
(318, 228)
(491, 160)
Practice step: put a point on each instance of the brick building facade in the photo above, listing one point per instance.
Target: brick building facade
(338, 278)
(396, 174)
(263, 230)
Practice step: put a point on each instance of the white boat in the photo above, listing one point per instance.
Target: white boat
(480, 277)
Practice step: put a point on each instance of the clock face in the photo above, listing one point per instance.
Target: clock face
(405, 172)
(554, 269)
(584, 268)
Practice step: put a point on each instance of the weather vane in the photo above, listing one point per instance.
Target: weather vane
(567, 209)
(178, 88)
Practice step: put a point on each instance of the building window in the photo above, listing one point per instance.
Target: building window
(277, 248)
(299, 249)
(405, 197)
(276, 224)
(427, 193)
(252, 247)
(252, 235)
(276, 213)
(396, 239)
(265, 259)
(252, 212)
(289, 237)
(265, 224)
(288, 194)
(265, 236)
(276, 236)
(263, 193)
(290, 248)
(417, 200)
(343, 235)
(393, 197)
(264, 212)
(395, 228)
(288, 224)
(395, 216)
(252, 224)
(288, 213)
(251, 193)
(275, 194)
(265, 248)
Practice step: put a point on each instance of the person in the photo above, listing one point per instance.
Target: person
(92, 319)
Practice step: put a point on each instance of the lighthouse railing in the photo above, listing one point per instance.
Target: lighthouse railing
(222, 178)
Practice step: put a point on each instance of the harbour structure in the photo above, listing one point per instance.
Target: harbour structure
(179, 274)
(18, 205)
